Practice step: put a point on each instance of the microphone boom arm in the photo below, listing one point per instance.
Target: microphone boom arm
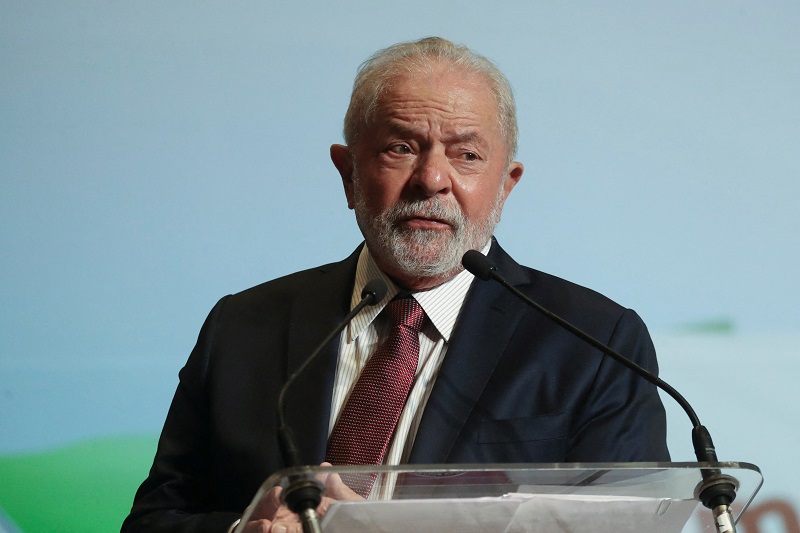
(716, 491)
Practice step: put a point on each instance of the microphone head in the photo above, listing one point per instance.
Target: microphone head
(478, 265)
(375, 290)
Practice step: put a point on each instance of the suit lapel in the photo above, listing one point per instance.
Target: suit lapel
(486, 323)
(318, 308)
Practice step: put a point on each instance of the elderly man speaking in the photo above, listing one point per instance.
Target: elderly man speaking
(444, 369)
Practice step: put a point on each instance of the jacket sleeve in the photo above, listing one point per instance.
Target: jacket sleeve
(623, 419)
(178, 492)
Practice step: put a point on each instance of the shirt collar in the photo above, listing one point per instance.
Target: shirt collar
(441, 304)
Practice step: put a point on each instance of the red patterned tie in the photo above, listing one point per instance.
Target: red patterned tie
(366, 424)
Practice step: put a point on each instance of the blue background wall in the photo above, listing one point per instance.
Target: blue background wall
(156, 156)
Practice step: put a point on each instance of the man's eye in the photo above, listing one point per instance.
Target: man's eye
(400, 149)
(470, 156)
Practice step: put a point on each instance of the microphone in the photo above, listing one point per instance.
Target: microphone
(717, 491)
(304, 493)
(374, 291)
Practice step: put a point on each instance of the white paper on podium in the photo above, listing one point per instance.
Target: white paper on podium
(465, 515)
(513, 513)
(600, 514)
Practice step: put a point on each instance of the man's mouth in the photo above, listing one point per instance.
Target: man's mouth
(425, 223)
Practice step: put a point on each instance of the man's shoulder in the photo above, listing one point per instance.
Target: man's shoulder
(585, 308)
(556, 287)
(323, 282)
(290, 283)
(559, 295)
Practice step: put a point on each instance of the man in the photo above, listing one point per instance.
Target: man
(431, 134)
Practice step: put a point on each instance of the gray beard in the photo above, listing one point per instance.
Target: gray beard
(425, 253)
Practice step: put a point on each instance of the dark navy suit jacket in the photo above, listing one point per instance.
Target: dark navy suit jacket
(513, 388)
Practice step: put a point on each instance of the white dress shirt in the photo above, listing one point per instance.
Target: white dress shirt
(368, 329)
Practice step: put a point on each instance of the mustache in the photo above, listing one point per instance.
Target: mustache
(434, 208)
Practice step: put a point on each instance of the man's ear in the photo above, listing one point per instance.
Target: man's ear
(342, 159)
(513, 175)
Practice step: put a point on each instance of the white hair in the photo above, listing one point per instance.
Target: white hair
(414, 57)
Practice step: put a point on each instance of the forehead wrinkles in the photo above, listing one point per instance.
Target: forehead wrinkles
(428, 120)
(419, 123)
(451, 109)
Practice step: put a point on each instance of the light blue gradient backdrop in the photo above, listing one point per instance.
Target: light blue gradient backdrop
(155, 156)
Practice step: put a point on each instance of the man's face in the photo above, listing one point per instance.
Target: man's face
(429, 177)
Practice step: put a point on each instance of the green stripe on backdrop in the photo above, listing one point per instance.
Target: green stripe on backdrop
(86, 487)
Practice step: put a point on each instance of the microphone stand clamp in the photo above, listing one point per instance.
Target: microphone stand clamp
(302, 497)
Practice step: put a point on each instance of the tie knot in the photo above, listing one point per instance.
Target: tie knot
(406, 312)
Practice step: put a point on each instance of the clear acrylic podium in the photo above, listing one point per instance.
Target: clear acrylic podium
(516, 498)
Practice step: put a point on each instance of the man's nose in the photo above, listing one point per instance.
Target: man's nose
(432, 175)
